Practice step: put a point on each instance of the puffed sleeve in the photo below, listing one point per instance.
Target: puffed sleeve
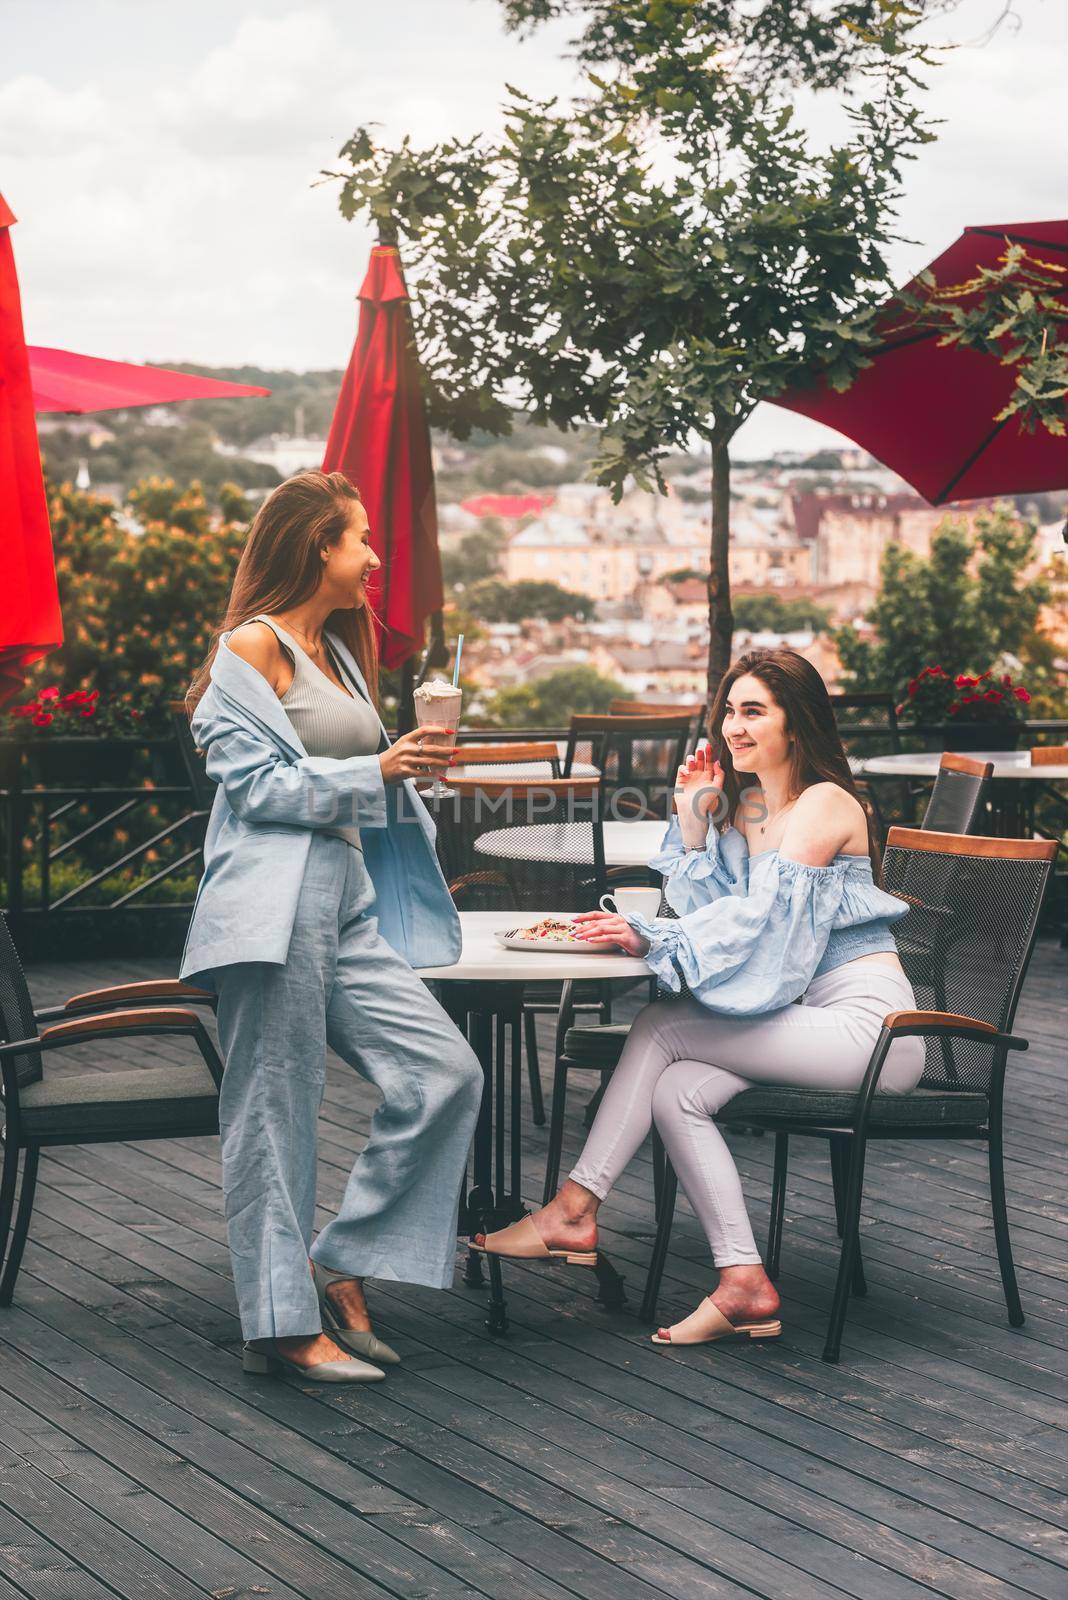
(752, 953)
(312, 792)
(693, 878)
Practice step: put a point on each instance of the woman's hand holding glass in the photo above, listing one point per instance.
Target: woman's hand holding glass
(698, 788)
(608, 929)
(415, 755)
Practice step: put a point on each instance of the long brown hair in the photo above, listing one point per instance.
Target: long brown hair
(280, 566)
(818, 756)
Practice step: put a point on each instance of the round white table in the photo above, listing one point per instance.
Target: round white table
(1014, 788)
(483, 993)
(521, 769)
(626, 844)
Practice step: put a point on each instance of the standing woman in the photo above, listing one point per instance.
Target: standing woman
(783, 941)
(321, 892)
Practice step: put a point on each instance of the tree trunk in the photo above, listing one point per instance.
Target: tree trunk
(720, 616)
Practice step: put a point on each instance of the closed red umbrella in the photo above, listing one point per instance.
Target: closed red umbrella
(30, 622)
(380, 440)
(65, 381)
(927, 410)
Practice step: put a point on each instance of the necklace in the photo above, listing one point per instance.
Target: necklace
(762, 826)
(304, 636)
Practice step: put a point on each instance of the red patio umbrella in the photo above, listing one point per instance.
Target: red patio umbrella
(927, 411)
(379, 439)
(65, 381)
(30, 622)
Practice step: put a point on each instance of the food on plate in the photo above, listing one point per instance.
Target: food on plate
(553, 930)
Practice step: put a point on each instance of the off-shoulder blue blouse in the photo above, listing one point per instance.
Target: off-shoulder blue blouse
(753, 931)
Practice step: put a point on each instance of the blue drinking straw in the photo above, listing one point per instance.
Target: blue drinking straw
(456, 667)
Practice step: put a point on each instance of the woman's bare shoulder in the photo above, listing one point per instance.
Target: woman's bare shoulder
(825, 821)
(258, 644)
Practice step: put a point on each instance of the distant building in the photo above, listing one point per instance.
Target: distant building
(509, 507)
(285, 454)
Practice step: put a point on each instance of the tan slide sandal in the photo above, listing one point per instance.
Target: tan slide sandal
(523, 1242)
(724, 1329)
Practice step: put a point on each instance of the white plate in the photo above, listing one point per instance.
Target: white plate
(512, 941)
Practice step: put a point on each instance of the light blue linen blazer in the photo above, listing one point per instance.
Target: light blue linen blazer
(271, 795)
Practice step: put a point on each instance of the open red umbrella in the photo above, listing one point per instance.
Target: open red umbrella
(927, 410)
(380, 440)
(64, 381)
(30, 622)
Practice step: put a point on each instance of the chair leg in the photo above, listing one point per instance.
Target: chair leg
(778, 1204)
(22, 1225)
(537, 1099)
(556, 1133)
(1001, 1225)
(668, 1196)
(850, 1240)
(8, 1174)
(839, 1178)
(659, 1160)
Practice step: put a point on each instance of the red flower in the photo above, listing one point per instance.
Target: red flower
(1006, 681)
(954, 705)
(993, 694)
(984, 675)
(899, 709)
(77, 697)
(913, 686)
(23, 711)
(968, 698)
(964, 682)
(48, 694)
(88, 711)
(42, 718)
(92, 694)
(1022, 694)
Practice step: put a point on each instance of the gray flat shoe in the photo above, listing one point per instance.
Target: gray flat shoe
(261, 1362)
(367, 1345)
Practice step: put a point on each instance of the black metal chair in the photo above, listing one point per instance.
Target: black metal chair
(956, 803)
(99, 1105)
(991, 891)
(639, 758)
(698, 715)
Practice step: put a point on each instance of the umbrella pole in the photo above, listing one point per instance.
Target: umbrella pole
(406, 703)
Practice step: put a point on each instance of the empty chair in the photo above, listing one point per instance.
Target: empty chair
(639, 758)
(956, 803)
(100, 1104)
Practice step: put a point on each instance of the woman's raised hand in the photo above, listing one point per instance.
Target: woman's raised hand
(415, 754)
(698, 788)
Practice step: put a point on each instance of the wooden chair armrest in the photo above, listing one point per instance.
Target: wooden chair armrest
(153, 991)
(154, 1019)
(948, 1022)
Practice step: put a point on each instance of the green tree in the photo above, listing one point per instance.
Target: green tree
(964, 608)
(549, 701)
(663, 256)
(779, 614)
(138, 608)
(496, 601)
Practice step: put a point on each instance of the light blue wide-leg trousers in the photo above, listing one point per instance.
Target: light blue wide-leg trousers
(341, 986)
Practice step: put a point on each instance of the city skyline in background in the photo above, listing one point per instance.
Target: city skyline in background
(166, 186)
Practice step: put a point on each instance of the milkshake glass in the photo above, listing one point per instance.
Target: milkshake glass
(437, 702)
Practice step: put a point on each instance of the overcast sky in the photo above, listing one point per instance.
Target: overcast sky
(162, 159)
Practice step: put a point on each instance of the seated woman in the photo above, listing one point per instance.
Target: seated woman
(783, 942)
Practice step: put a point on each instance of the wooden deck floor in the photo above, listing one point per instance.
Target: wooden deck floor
(572, 1458)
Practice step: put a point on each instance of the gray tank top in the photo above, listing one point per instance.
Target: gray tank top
(327, 720)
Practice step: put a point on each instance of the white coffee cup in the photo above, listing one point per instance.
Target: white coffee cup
(632, 902)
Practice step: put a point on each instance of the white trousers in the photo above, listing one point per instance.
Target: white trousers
(683, 1062)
